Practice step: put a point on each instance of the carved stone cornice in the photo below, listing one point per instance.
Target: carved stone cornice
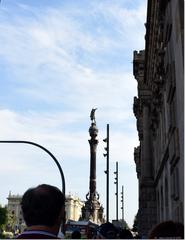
(159, 75)
(156, 104)
(137, 159)
(138, 65)
(157, 83)
(160, 50)
(137, 109)
(144, 100)
(145, 95)
(154, 121)
(140, 128)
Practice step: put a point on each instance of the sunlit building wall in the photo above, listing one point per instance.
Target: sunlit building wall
(159, 110)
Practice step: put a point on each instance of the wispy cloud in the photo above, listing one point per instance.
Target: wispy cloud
(57, 129)
(52, 49)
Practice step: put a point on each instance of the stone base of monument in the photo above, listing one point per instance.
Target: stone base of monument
(93, 211)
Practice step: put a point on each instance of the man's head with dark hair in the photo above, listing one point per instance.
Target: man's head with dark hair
(168, 229)
(125, 234)
(43, 205)
(76, 234)
(107, 230)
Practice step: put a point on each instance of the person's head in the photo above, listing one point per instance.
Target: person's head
(168, 229)
(107, 230)
(43, 205)
(76, 235)
(125, 234)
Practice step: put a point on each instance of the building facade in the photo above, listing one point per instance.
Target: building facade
(15, 215)
(159, 110)
(73, 207)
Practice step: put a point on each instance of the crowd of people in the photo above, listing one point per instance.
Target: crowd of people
(44, 212)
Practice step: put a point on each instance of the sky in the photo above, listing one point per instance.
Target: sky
(58, 60)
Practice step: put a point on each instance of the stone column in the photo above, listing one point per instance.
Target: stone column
(147, 150)
(93, 210)
(93, 131)
(147, 203)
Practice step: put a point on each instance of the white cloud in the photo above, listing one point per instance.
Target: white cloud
(57, 130)
(42, 56)
(128, 22)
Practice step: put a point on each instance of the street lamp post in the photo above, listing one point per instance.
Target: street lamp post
(107, 170)
(122, 204)
(52, 156)
(116, 182)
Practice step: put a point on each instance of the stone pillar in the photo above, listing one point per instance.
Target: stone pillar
(147, 151)
(93, 210)
(147, 195)
(93, 131)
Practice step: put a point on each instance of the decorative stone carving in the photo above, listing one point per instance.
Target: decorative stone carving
(138, 113)
(137, 157)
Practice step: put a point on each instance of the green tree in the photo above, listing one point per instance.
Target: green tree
(11, 220)
(3, 219)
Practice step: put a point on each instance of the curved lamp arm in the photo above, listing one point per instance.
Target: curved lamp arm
(48, 152)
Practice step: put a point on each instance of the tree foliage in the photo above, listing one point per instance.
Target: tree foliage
(3, 216)
(3, 219)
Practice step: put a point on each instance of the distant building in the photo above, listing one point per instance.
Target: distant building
(159, 110)
(15, 211)
(73, 207)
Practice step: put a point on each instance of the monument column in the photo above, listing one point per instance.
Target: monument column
(93, 210)
(93, 131)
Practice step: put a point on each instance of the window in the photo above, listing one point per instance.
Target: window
(166, 192)
(166, 198)
(158, 206)
(176, 197)
(168, 33)
(162, 203)
(175, 184)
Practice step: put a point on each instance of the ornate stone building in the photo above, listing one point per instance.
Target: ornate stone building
(15, 211)
(73, 207)
(159, 110)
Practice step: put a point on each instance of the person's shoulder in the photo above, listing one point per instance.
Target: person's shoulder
(35, 236)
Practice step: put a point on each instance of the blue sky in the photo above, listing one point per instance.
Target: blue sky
(58, 60)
